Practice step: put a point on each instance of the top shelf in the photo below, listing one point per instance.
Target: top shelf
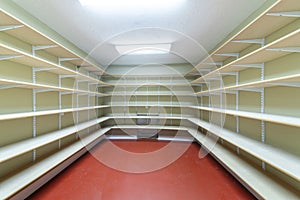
(266, 22)
(14, 26)
(285, 45)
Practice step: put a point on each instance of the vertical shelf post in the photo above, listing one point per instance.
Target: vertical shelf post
(171, 81)
(34, 110)
(77, 103)
(125, 97)
(201, 103)
(237, 118)
(97, 99)
(147, 96)
(221, 105)
(158, 96)
(88, 103)
(262, 109)
(59, 107)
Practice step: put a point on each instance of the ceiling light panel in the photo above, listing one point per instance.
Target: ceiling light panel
(143, 49)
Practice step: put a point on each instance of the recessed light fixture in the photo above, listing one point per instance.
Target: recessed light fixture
(143, 49)
(130, 4)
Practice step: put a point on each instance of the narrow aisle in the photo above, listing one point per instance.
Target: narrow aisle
(187, 178)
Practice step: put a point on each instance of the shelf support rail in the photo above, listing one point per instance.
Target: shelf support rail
(34, 92)
(237, 118)
(158, 96)
(221, 104)
(77, 106)
(171, 82)
(201, 103)
(97, 102)
(89, 103)
(125, 93)
(262, 110)
(60, 107)
(147, 105)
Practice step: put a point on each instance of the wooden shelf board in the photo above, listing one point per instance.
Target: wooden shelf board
(149, 127)
(281, 160)
(149, 105)
(258, 182)
(21, 84)
(266, 25)
(16, 149)
(11, 116)
(35, 37)
(231, 47)
(154, 83)
(258, 56)
(23, 178)
(265, 55)
(279, 119)
(122, 116)
(257, 84)
(27, 35)
(149, 94)
(6, 20)
(30, 60)
(244, 33)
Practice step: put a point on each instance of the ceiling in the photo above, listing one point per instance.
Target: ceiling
(193, 28)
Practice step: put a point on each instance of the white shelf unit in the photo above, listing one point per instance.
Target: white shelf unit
(44, 53)
(262, 185)
(136, 80)
(280, 119)
(18, 185)
(49, 105)
(148, 94)
(19, 148)
(251, 83)
(289, 81)
(47, 112)
(177, 93)
(19, 24)
(283, 161)
(287, 44)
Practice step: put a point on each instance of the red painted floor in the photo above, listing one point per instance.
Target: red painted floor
(187, 178)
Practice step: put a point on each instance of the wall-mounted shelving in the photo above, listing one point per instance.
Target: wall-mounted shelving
(245, 81)
(280, 119)
(22, 27)
(54, 87)
(289, 81)
(255, 76)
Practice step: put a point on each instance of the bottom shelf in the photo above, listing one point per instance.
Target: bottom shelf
(25, 180)
(259, 183)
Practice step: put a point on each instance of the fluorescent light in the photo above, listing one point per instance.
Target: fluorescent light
(143, 49)
(148, 52)
(130, 4)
